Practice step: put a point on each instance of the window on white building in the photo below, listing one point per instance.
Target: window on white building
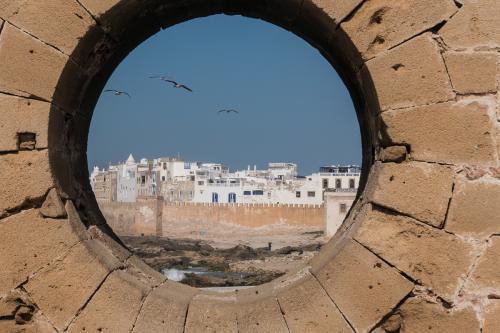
(258, 192)
(297, 194)
(247, 192)
(201, 182)
(311, 194)
(352, 184)
(325, 182)
(338, 183)
(343, 208)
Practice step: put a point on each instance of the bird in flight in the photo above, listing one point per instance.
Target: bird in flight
(175, 84)
(228, 111)
(118, 92)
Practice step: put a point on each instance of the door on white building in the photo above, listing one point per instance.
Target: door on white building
(231, 197)
(215, 197)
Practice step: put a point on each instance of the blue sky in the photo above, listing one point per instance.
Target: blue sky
(293, 106)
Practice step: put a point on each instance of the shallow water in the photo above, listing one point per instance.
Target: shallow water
(178, 275)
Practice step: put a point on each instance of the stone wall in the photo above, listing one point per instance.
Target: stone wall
(418, 252)
(142, 218)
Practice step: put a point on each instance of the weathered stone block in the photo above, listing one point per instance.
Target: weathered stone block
(363, 287)
(458, 132)
(262, 315)
(474, 26)
(60, 23)
(307, 308)
(118, 250)
(395, 154)
(492, 317)
(337, 10)
(53, 206)
(30, 67)
(31, 116)
(421, 190)
(37, 324)
(62, 288)
(382, 24)
(164, 310)
(143, 272)
(212, 313)
(475, 208)
(28, 243)
(472, 73)
(25, 177)
(487, 272)
(436, 258)
(99, 7)
(421, 316)
(115, 306)
(409, 75)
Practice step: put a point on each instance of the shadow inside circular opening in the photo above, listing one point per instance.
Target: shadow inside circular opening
(68, 136)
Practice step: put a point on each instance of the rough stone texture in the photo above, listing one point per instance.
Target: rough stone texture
(260, 316)
(459, 132)
(475, 208)
(28, 243)
(395, 154)
(474, 26)
(53, 206)
(143, 272)
(119, 291)
(338, 9)
(492, 317)
(421, 316)
(409, 75)
(44, 19)
(363, 287)
(472, 73)
(98, 7)
(212, 313)
(62, 288)
(30, 67)
(37, 324)
(165, 309)
(118, 250)
(32, 117)
(408, 71)
(307, 308)
(382, 24)
(486, 275)
(11, 303)
(25, 177)
(406, 244)
(421, 190)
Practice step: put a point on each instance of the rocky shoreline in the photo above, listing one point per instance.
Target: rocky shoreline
(240, 265)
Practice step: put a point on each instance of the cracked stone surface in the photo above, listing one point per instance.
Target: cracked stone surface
(406, 244)
(424, 75)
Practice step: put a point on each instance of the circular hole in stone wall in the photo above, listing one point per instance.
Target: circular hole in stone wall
(224, 151)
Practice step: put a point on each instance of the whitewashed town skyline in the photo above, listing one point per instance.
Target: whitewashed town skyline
(177, 180)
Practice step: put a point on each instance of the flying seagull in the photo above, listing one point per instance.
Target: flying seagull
(228, 111)
(118, 92)
(175, 84)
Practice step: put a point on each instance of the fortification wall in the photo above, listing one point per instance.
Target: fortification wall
(151, 216)
(132, 219)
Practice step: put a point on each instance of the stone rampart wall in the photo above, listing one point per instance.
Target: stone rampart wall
(148, 216)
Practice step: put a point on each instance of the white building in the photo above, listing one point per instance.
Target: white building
(177, 180)
(126, 181)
